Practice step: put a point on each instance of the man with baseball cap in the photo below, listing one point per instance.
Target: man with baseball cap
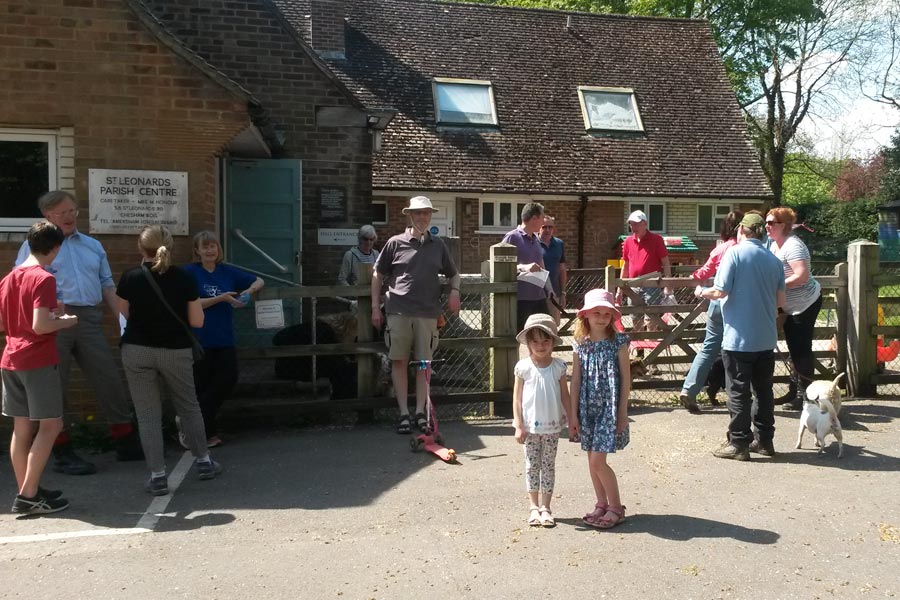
(410, 263)
(644, 252)
(751, 286)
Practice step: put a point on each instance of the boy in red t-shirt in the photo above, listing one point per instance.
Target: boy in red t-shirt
(31, 388)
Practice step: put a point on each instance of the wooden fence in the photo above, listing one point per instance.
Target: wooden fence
(846, 343)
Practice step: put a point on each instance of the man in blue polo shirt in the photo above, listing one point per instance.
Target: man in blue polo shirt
(530, 299)
(751, 286)
(555, 263)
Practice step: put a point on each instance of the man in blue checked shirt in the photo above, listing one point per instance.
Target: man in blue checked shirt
(84, 281)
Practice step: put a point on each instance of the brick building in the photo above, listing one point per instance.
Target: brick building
(223, 93)
(592, 115)
(290, 118)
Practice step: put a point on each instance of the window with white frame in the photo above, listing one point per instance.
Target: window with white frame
(379, 212)
(656, 214)
(463, 102)
(607, 108)
(27, 171)
(710, 217)
(501, 215)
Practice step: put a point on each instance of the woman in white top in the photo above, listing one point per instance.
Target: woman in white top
(803, 300)
(540, 400)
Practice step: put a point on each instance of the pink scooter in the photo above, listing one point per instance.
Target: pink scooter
(431, 440)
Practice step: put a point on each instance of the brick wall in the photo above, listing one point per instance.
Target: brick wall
(89, 70)
(326, 27)
(247, 41)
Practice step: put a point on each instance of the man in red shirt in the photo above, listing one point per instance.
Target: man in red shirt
(31, 387)
(642, 253)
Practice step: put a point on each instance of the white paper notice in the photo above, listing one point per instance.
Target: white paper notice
(269, 314)
(538, 278)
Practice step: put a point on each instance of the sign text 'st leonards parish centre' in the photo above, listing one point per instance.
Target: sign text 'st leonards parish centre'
(125, 201)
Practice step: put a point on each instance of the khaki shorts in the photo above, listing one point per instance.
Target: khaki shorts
(411, 334)
(33, 394)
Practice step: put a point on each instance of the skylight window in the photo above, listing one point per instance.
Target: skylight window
(464, 102)
(609, 109)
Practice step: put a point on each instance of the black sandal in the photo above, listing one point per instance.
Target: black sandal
(403, 427)
(422, 422)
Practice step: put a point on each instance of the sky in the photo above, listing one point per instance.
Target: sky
(858, 131)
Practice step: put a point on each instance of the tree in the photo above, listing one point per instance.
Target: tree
(879, 74)
(799, 67)
(890, 179)
(808, 179)
(859, 179)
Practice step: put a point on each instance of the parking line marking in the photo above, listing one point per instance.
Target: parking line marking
(146, 524)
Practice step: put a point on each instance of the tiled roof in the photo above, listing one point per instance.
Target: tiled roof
(694, 145)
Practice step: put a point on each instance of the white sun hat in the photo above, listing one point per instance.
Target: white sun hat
(637, 216)
(419, 203)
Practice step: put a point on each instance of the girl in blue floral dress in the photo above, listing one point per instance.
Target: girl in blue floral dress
(601, 384)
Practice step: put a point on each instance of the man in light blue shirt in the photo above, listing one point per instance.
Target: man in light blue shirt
(751, 286)
(83, 282)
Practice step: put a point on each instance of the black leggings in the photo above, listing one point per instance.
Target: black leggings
(798, 333)
(215, 377)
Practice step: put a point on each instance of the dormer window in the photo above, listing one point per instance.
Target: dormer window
(609, 109)
(463, 102)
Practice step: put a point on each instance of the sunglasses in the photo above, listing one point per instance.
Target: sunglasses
(773, 222)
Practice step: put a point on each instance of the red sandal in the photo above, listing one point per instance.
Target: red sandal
(599, 511)
(605, 522)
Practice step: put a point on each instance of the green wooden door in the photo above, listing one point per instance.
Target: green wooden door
(262, 230)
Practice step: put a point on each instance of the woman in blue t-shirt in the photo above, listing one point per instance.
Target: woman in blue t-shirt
(222, 289)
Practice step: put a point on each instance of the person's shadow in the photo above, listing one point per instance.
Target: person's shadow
(682, 528)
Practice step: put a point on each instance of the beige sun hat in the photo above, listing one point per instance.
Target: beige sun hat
(419, 203)
(539, 321)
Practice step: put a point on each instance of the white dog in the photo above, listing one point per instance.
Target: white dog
(820, 413)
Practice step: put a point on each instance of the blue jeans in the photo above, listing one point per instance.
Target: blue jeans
(712, 348)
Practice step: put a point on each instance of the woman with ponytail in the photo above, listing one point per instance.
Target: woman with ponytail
(160, 303)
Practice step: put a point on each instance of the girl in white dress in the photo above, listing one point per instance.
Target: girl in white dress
(540, 402)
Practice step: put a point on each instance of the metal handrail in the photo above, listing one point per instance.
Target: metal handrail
(240, 235)
(266, 275)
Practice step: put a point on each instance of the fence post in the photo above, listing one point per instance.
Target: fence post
(365, 372)
(842, 297)
(611, 279)
(503, 318)
(862, 258)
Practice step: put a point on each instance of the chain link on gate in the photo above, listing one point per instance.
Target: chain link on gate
(888, 348)
(464, 370)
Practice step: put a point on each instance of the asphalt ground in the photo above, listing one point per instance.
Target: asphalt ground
(353, 513)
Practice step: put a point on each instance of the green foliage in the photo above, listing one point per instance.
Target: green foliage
(890, 179)
(808, 180)
(836, 224)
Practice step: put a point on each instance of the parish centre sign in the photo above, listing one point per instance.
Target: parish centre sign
(124, 201)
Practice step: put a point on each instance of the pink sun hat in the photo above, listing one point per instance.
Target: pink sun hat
(601, 298)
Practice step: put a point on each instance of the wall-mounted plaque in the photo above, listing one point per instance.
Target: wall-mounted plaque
(124, 201)
(332, 205)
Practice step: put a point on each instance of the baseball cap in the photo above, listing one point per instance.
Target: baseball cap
(637, 216)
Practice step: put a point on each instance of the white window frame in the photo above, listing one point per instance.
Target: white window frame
(610, 90)
(32, 135)
(515, 211)
(646, 207)
(714, 206)
(438, 81)
(384, 204)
